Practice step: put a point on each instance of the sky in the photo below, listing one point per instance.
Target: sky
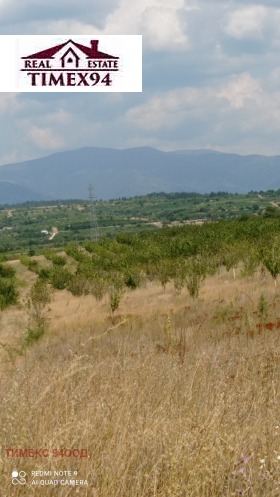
(211, 78)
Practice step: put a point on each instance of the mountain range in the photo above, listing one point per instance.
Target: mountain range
(115, 173)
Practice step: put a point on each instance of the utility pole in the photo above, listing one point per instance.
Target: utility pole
(94, 229)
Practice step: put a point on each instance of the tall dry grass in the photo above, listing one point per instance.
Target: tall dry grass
(178, 398)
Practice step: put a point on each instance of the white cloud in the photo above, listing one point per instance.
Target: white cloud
(59, 116)
(159, 21)
(64, 26)
(11, 157)
(240, 89)
(9, 103)
(247, 22)
(44, 138)
(214, 79)
(168, 109)
(163, 29)
(240, 115)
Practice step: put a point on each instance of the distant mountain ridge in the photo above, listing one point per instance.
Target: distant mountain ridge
(118, 173)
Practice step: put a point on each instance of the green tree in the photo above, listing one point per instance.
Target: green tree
(115, 291)
(39, 297)
(179, 274)
(196, 271)
(230, 256)
(271, 259)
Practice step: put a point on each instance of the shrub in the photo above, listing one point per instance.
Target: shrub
(33, 334)
(33, 266)
(7, 271)
(271, 259)
(179, 275)
(59, 277)
(262, 307)
(115, 296)
(196, 270)
(133, 279)
(78, 285)
(24, 259)
(40, 296)
(44, 274)
(98, 287)
(116, 291)
(8, 293)
(57, 260)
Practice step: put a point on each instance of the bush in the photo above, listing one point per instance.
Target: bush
(57, 260)
(179, 275)
(44, 274)
(115, 296)
(40, 296)
(116, 291)
(24, 259)
(133, 279)
(271, 259)
(59, 277)
(98, 287)
(33, 266)
(78, 285)
(7, 271)
(8, 293)
(196, 270)
(33, 334)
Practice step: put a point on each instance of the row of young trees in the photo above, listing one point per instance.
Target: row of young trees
(182, 255)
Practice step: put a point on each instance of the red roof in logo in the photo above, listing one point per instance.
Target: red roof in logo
(91, 52)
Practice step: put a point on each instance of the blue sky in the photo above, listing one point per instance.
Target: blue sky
(211, 78)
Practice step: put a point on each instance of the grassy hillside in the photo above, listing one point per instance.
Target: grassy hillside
(172, 395)
(176, 397)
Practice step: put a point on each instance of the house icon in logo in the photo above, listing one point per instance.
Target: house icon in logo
(70, 59)
(69, 56)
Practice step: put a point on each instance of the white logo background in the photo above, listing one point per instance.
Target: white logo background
(127, 47)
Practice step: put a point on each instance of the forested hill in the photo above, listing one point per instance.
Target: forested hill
(136, 171)
(35, 225)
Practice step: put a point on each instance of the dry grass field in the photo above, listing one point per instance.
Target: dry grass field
(175, 398)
